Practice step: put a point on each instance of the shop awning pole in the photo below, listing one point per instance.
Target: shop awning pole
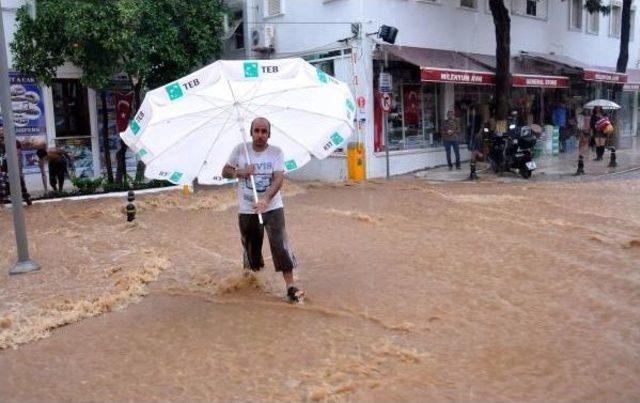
(24, 264)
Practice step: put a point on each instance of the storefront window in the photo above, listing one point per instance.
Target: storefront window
(73, 132)
(70, 108)
(412, 123)
(624, 118)
(430, 115)
(471, 108)
(527, 101)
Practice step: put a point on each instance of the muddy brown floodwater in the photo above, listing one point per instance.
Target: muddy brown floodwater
(417, 291)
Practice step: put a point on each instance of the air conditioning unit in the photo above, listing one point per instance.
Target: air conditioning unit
(263, 39)
(269, 36)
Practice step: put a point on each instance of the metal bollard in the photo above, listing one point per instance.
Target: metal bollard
(580, 170)
(4, 187)
(131, 208)
(612, 161)
(473, 175)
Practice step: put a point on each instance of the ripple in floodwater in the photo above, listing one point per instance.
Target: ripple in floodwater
(416, 291)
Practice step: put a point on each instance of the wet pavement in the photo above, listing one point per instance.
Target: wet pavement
(417, 290)
(560, 167)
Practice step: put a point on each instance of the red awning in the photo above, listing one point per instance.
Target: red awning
(525, 73)
(604, 76)
(447, 66)
(457, 76)
(587, 72)
(525, 80)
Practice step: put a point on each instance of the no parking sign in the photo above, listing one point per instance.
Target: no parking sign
(385, 101)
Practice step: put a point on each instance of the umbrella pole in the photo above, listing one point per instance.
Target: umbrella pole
(253, 182)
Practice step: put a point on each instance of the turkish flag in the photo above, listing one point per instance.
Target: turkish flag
(123, 109)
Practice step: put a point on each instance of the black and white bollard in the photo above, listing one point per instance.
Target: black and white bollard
(612, 161)
(131, 208)
(580, 170)
(4, 188)
(472, 165)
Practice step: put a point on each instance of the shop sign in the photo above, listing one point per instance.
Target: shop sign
(540, 81)
(604, 76)
(631, 87)
(27, 104)
(384, 82)
(457, 76)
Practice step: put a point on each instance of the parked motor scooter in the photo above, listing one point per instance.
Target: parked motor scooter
(513, 150)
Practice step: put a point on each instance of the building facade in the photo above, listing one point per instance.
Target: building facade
(442, 60)
(66, 115)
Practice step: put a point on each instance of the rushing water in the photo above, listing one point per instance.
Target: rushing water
(416, 291)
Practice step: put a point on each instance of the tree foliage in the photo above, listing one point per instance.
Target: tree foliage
(151, 41)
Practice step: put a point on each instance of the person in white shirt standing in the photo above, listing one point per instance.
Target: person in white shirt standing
(267, 168)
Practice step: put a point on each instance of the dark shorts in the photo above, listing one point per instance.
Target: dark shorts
(57, 172)
(252, 234)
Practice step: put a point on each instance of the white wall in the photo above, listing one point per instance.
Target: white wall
(445, 26)
(9, 8)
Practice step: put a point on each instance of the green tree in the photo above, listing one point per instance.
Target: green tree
(151, 41)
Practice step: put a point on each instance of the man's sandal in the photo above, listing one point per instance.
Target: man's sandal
(295, 295)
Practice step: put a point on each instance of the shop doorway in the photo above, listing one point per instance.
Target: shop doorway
(72, 124)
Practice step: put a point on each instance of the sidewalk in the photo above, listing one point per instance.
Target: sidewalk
(550, 167)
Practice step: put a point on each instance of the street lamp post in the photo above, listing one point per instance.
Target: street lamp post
(24, 264)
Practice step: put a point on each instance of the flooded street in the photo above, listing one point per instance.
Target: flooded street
(416, 291)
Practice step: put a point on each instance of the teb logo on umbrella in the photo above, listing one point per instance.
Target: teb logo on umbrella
(337, 139)
(290, 165)
(174, 91)
(135, 127)
(322, 76)
(250, 69)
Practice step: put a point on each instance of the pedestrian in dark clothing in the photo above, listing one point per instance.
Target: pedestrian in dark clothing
(451, 130)
(58, 162)
(599, 136)
(4, 174)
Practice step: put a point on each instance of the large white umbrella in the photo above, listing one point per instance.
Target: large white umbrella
(188, 128)
(605, 104)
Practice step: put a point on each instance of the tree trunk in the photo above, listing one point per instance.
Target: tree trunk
(625, 29)
(121, 154)
(502, 23)
(121, 168)
(105, 136)
(136, 94)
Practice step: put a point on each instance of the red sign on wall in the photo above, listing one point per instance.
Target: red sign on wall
(604, 76)
(457, 76)
(540, 81)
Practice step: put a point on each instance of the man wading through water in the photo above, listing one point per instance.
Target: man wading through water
(267, 168)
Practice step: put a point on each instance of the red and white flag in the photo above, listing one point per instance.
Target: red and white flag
(123, 109)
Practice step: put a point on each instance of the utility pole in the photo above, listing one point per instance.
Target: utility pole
(24, 264)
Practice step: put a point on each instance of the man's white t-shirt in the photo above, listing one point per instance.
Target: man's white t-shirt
(265, 164)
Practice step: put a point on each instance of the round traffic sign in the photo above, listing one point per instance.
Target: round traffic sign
(385, 101)
(360, 102)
